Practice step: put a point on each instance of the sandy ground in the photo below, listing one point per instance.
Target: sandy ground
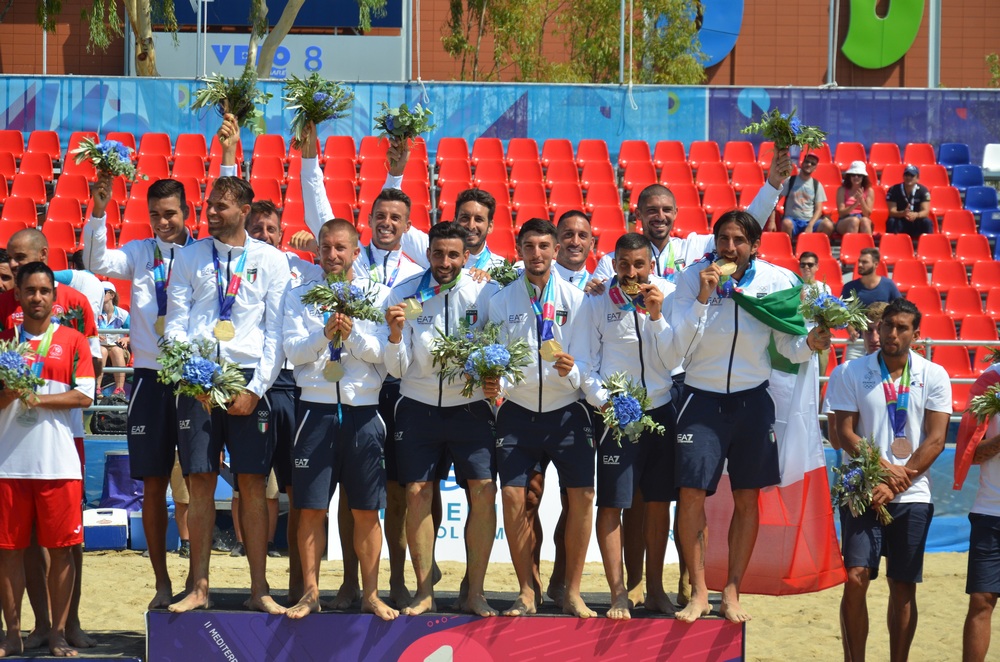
(118, 585)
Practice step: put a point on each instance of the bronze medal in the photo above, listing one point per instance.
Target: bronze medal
(549, 349)
(901, 448)
(160, 326)
(224, 330)
(412, 309)
(333, 371)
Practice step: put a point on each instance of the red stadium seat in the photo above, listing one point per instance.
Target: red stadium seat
(526, 170)
(566, 194)
(454, 171)
(3, 190)
(491, 169)
(522, 149)
(938, 326)
(848, 152)
(73, 186)
(192, 190)
(814, 242)
(557, 149)
(674, 173)
(747, 175)
(907, 273)
(973, 248)
(633, 150)
(977, 328)
(113, 213)
(738, 151)
(152, 165)
(31, 186)
(638, 175)
(267, 188)
(65, 209)
(606, 243)
(140, 188)
(919, 154)
(685, 196)
(501, 241)
(9, 227)
(925, 297)
(8, 166)
(373, 147)
(191, 144)
(775, 245)
(417, 191)
(598, 172)
(985, 276)
(765, 152)
(156, 143)
(822, 153)
(126, 138)
(37, 163)
(591, 149)
(136, 211)
(608, 219)
(957, 222)
(851, 245)
(710, 173)
(881, 155)
(341, 168)
(340, 147)
(269, 167)
(947, 274)
(718, 199)
(829, 176)
(992, 307)
(134, 231)
(12, 141)
(603, 195)
(60, 234)
(451, 148)
(190, 165)
(691, 219)
(528, 193)
(895, 247)
(932, 248)
(933, 175)
(270, 144)
(669, 151)
(45, 142)
(487, 148)
(702, 151)
(943, 200)
(20, 210)
(528, 211)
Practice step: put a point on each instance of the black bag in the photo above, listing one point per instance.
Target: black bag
(110, 422)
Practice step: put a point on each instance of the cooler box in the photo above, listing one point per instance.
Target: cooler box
(137, 536)
(105, 528)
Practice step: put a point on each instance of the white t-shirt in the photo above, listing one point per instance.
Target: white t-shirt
(859, 389)
(988, 497)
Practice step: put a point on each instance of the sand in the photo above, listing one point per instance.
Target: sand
(118, 585)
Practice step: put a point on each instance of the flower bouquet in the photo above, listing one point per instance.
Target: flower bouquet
(314, 100)
(992, 355)
(854, 482)
(786, 130)
(194, 372)
(477, 354)
(987, 405)
(109, 157)
(626, 416)
(15, 373)
(402, 123)
(338, 295)
(830, 312)
(504, 274)
(73, 318)
(238, 96)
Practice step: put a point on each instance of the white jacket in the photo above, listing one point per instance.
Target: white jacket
(193, 304)
(629, 342)
(415, 244)
(308, 350)
(723, 347)
(543, 389)
(410, 360)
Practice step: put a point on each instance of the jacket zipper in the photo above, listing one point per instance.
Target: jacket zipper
(732, 350)
(642, 363)
(446, 331)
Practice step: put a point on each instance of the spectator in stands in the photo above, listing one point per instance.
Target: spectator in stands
(808, 264)
(855, 201)
(869, 287)
(6, 275)
(909, 206)
(906, 420)
(114, 348)
(804, 197)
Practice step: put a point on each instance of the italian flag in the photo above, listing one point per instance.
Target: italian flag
(797, 549)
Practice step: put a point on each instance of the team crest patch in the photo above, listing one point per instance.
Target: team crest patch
(561, 317)
(471, 315)
(262, 426)
(251, 275)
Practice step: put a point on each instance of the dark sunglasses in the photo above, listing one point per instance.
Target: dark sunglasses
(808, 265)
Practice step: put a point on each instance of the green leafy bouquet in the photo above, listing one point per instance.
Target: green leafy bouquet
(786, 130)
(109, 157)
(338, 295)
(504, 274)
(402, 123)
(314, 100)
(625, 412)
(478, 355)
(194, 372)
(854, 482)
(992, 355)
(986, 405)
(72, 317)
(238, 96)
(830, 312)
(15, 373)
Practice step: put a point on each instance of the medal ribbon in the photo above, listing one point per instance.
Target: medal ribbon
(373, 268)
(668, 269)
(896, 402)
(42, 351)
(425, 291)
(624, 301)
(335, 352)
(483, 262)
(545, 310)
(227, 296)
(582, 280)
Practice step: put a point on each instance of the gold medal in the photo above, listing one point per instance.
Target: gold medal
(726, 267)
(412, 309)
(901, 448)
(333, 371)
(631, 288)
(549, 349)
(224, 330)
(160, 325)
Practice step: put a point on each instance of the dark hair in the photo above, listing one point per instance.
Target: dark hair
(262, 208)
(900, 306)
(392, 195)
(238, 188)
(865, 184)
(4, 256)
(650, 191)
(446, 230)
(32, 268)
(168, 188)
(537, 226)
(808, 254)
(632, 241)
(76, 261)
(748, 224)
(478, 196)
(868, 250)
(572, 213)
(338, 225)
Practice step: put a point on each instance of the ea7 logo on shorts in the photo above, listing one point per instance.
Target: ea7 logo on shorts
(517, 318)
(301, 463)
(499, 442)
(398, 436)
(138, 429)
(184, 424)
(685, 438)
(610, 459)
(614, 317)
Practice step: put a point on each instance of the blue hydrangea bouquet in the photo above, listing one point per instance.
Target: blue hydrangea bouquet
(194, 372)
(855, 480)
(625, 412)
(987, 405)
(338, 295)
(109, 157)
(402, 123)
(830, 312)
(314, 100)
(15, 373)
(785, 130)
(477, 355)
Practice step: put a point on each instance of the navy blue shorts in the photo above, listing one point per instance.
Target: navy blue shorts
(283, 396)
(715, 427)
(525, 439)
(427, 435)
(647, 465)
(202, 436)
(901, 542)
(152, 426)
(387, 399)
(331, 450)
(984, 554)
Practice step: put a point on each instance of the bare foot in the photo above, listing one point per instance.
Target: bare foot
(419, 605)
(731, 609)
(77, 638)
(347, 595)
(399, 595)
(193, 600)
(12, 644)
(575, 606)
(266, 604)
(659, 602)
(379, 608)
(556, 593)
(523, 606)
(636, 597)
(58, 646)
(304, 607)
(477, 604)
(695, 609)
(619, 610)
(36, 638)
(164, 594)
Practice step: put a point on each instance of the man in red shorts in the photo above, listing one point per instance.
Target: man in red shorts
(40, 478)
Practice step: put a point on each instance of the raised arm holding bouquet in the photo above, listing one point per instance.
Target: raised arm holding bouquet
(786, 130)
(401, 125)
(314, 100)
(110, 158)
(236, 96)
